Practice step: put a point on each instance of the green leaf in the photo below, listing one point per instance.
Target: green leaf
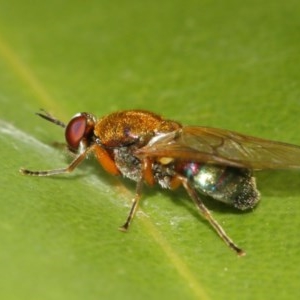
(228, 64)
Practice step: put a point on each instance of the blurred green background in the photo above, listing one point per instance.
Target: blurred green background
(228, 64)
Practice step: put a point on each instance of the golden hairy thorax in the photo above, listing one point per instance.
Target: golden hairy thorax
(125, 127)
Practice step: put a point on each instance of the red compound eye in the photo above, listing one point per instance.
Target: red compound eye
(75, 131)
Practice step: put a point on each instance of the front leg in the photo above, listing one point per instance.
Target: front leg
(68, 169)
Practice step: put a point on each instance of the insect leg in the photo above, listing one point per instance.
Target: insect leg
(205, 212)
(68, 169)
(135, 203)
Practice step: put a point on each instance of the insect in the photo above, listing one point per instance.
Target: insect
(146, 148)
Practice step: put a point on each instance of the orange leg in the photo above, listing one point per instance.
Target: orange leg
(175, 183)
(147, 176)
(207, 215)
(147, 172)
(68, 169)
(105, 160)
(135, 204)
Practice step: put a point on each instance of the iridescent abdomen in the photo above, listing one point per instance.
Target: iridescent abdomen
(230, 185)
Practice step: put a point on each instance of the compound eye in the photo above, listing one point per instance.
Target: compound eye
(75, 131)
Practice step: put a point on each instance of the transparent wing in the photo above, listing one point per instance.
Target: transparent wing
(218, 146)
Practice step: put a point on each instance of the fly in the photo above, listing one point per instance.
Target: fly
(146, 148)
